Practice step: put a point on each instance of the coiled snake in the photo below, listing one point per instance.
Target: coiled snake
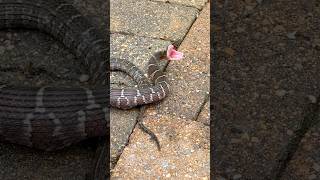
(51, 118)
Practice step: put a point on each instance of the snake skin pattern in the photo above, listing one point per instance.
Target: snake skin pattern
(51, 118)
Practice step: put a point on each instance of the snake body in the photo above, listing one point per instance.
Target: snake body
(51, 118)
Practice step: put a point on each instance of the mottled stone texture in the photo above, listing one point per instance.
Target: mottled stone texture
(195, 3)
(180, 121)
(184, 153)
(151, 19)
(189, 78)
(305, 163)
(265, 79)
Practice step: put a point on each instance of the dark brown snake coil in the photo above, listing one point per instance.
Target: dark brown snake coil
(51, 118)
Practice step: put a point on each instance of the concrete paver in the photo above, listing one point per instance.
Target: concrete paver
(151, 19)
(190, 78)
(184, 153)
(184, 141)
(136, 49)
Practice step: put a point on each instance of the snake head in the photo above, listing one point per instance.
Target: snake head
(173, 54)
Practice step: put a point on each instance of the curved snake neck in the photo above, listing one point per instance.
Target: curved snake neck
(51, 118)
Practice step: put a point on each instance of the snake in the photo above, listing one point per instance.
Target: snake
(51, 118)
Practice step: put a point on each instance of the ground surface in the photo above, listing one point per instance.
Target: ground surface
(52, 64)
(138, 29)
(266, 88)
(181, 121)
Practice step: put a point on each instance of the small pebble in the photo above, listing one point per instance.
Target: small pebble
(292, 35)
(281, 92)
(289, 132)
(312, 98)
(237, 176)
(279, 28)
(84, 78)
(229, 51)
(254, 139)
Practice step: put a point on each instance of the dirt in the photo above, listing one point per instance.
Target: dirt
(267, 74)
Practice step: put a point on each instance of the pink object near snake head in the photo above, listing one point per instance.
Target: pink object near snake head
(173, 54)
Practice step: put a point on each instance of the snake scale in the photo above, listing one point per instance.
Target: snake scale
(51, 118)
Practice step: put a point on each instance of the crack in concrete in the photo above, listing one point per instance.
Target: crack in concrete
(178, 4)
(115, 160)
(201, 108)
(310, 120)
(177, 42)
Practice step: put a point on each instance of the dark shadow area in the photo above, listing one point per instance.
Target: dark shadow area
(264, 89)
(33, 58)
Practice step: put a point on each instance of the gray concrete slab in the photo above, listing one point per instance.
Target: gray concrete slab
(184, 153)
(189, 78)
(151, 19)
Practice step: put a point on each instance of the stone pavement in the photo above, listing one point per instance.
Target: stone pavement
(180, 121)
(266, 109)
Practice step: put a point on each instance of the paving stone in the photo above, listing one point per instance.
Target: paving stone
(305, 163)
(189, 78)
(185, 143)
(195, 3)
(253, 121)
(121, 126)
(184, 153)
(151, 19)
(138, 51)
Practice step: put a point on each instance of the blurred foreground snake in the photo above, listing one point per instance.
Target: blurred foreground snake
(51, 118)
